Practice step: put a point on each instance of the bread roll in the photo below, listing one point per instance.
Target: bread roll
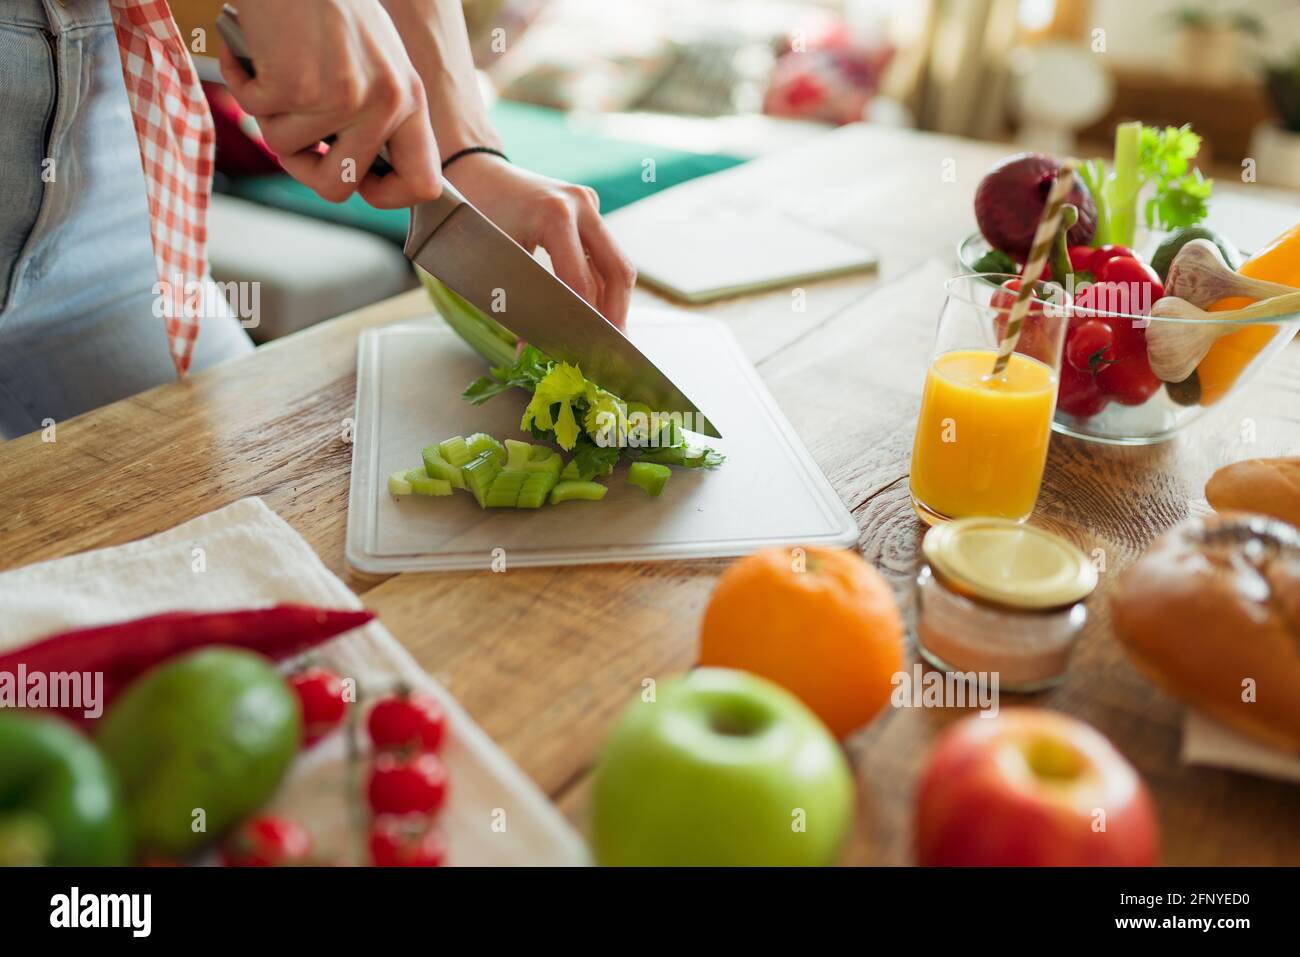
(1211, 613)
(1264, 486)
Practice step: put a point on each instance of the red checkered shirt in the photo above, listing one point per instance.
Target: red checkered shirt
(174, 128)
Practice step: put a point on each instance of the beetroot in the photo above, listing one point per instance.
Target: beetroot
(1011, 197)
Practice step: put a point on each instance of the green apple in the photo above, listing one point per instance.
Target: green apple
(723, 768)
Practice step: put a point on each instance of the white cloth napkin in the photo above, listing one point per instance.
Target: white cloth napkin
(1209, 742)
(245, 555)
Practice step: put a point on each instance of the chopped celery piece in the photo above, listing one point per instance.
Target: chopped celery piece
(649, 476)
(422, 484)
(532, 458)
(504, 490)
(397, 483)
(577, 491)
(481, 442)
(571, 473)
(455, 451)
(439, 468)
(479, 473)
(519, 488)
(686, 456)
(516, 453)
(535, 489)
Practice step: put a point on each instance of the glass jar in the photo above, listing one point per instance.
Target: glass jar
(998, 596)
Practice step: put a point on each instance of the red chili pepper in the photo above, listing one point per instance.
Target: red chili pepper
(125, 649)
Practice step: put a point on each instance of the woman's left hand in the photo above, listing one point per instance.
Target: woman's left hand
(562, 218)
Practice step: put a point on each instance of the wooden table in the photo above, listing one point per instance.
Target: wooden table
(545, 658)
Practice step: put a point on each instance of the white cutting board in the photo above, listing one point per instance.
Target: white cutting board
(409, 380)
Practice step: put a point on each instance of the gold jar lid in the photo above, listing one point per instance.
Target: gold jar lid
(1003, 562)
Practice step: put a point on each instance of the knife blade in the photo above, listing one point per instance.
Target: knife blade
(453, 241)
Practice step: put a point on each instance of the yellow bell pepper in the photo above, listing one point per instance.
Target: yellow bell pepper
(1279, 261)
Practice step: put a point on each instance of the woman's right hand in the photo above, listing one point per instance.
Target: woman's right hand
(337, 67)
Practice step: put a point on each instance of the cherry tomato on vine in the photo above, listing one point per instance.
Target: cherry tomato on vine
(268, 840)
(407, 721)
(324, 703)
(406, 783)
(406, 840)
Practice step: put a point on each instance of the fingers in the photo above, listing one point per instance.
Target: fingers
(615, 271)
(563, 244)
(413, 154)
(253, 97)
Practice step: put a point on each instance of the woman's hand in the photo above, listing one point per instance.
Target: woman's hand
(337, 67)
(561, 218)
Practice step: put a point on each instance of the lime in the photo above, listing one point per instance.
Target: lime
(198, 743)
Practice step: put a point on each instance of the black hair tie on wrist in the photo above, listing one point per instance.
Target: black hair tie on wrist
(473, 149)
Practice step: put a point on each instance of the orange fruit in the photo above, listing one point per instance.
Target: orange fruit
(822, 623)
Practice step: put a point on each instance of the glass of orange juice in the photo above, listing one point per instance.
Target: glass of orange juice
(981, 439)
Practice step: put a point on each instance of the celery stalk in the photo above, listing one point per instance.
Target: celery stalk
(1124, 185)
(493, 341)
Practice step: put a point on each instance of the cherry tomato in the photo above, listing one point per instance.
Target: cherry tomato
(1081, 258)
(267, 841)
(1137, 280)
(1086, 344)
(1104, 254)
(406, 784)
(324, 704)
(1035, 334)
(406, 840)
(1129, 381)
(407, 721)
(1079, 394)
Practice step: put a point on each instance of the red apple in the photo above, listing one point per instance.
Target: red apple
(1031, 788)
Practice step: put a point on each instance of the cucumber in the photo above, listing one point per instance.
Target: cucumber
(455, 450)
(649, 476)
(481, 442)
(422, 484)
(397, 483)
(577, 491)
(479, 473)
(439, 468)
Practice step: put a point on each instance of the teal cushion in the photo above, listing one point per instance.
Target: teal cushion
(540, 139)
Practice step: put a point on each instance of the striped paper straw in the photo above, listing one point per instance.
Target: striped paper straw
(1047, 226)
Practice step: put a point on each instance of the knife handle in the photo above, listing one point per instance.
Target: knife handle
(230, 30)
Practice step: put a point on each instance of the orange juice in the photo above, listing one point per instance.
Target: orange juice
(981, 442)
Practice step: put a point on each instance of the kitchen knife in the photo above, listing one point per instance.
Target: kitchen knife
(454, 242)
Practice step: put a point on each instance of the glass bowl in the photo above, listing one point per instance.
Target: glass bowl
(1233, 360)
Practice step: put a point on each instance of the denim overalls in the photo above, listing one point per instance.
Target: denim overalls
(77, 324)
